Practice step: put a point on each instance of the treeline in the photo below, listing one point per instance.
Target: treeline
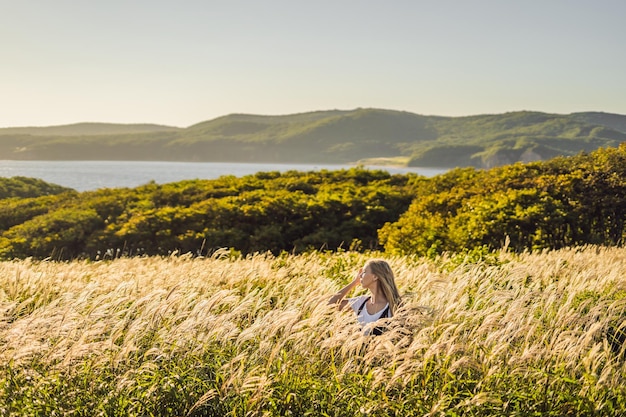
(293, 211)
(27, 187)
(24, 187)
(562, 202)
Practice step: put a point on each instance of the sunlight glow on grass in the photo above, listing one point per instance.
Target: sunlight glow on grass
(518, 335)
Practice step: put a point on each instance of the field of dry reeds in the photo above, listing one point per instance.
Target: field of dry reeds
(512, 334)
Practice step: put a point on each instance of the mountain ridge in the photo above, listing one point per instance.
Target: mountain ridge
(329, 136)
(87, 128)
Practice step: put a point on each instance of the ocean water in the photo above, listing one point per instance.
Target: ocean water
(92, 175)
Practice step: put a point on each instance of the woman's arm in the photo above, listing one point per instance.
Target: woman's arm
(339, 298)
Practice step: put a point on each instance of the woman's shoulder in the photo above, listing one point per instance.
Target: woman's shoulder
(361, 298)
(356, 302)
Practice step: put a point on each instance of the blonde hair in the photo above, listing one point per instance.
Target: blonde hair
(382, 270)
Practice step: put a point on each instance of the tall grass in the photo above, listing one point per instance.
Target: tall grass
(530, 334)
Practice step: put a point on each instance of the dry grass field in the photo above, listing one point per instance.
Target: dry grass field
(525, 334)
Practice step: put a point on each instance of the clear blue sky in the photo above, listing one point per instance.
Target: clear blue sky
(186, 61)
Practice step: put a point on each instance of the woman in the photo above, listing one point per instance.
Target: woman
(382, 301)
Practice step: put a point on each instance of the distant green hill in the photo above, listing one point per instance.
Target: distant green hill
(335, 136)
(79, 129)
(612, 121)
(492, 140)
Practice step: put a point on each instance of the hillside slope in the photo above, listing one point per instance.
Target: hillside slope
(82, 129)
(334, 136)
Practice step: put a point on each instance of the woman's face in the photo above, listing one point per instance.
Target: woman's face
(367, 278)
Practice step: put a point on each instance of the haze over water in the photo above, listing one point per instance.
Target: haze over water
(92, 175)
